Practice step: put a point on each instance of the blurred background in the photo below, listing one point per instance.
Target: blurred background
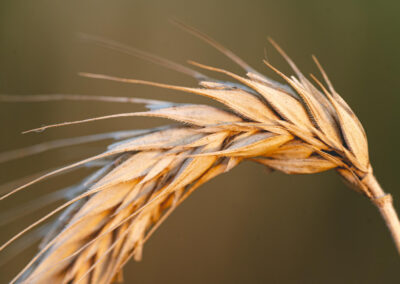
(247, 226)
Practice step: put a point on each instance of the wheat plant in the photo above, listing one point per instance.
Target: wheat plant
(298, 127)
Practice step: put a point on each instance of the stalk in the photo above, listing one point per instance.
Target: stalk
(384, 202)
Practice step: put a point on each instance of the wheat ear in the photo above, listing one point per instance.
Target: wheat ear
(296, 128)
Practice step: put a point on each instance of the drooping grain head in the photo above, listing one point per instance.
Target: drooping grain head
(297, 128)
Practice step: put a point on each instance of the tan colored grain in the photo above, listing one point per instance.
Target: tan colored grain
(296, 130)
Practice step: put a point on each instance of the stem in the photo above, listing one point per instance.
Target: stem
(384, 202)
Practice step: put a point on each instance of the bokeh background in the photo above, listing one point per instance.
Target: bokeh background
(247, 226)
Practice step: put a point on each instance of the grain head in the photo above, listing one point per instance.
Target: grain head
(299, 127)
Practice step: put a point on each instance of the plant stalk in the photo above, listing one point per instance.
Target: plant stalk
(384, 202)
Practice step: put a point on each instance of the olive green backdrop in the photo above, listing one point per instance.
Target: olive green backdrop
(247, 226)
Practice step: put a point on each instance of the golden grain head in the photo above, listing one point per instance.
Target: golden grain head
(296, 128)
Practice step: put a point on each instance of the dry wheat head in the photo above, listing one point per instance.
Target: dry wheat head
(296, 128)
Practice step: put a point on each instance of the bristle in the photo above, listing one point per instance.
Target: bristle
(67, 142)
(225, 51)
(117, 46)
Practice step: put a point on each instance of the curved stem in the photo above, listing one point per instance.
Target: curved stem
(384, 202)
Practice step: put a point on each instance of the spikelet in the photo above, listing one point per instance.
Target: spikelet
(295, 128)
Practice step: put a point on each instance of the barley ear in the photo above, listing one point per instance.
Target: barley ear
(294, 128)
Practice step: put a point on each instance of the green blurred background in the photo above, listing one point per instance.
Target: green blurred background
(246, 226)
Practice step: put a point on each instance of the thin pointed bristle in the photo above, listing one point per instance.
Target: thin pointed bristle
(326, 78)
(120, 47)
(228, 53)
